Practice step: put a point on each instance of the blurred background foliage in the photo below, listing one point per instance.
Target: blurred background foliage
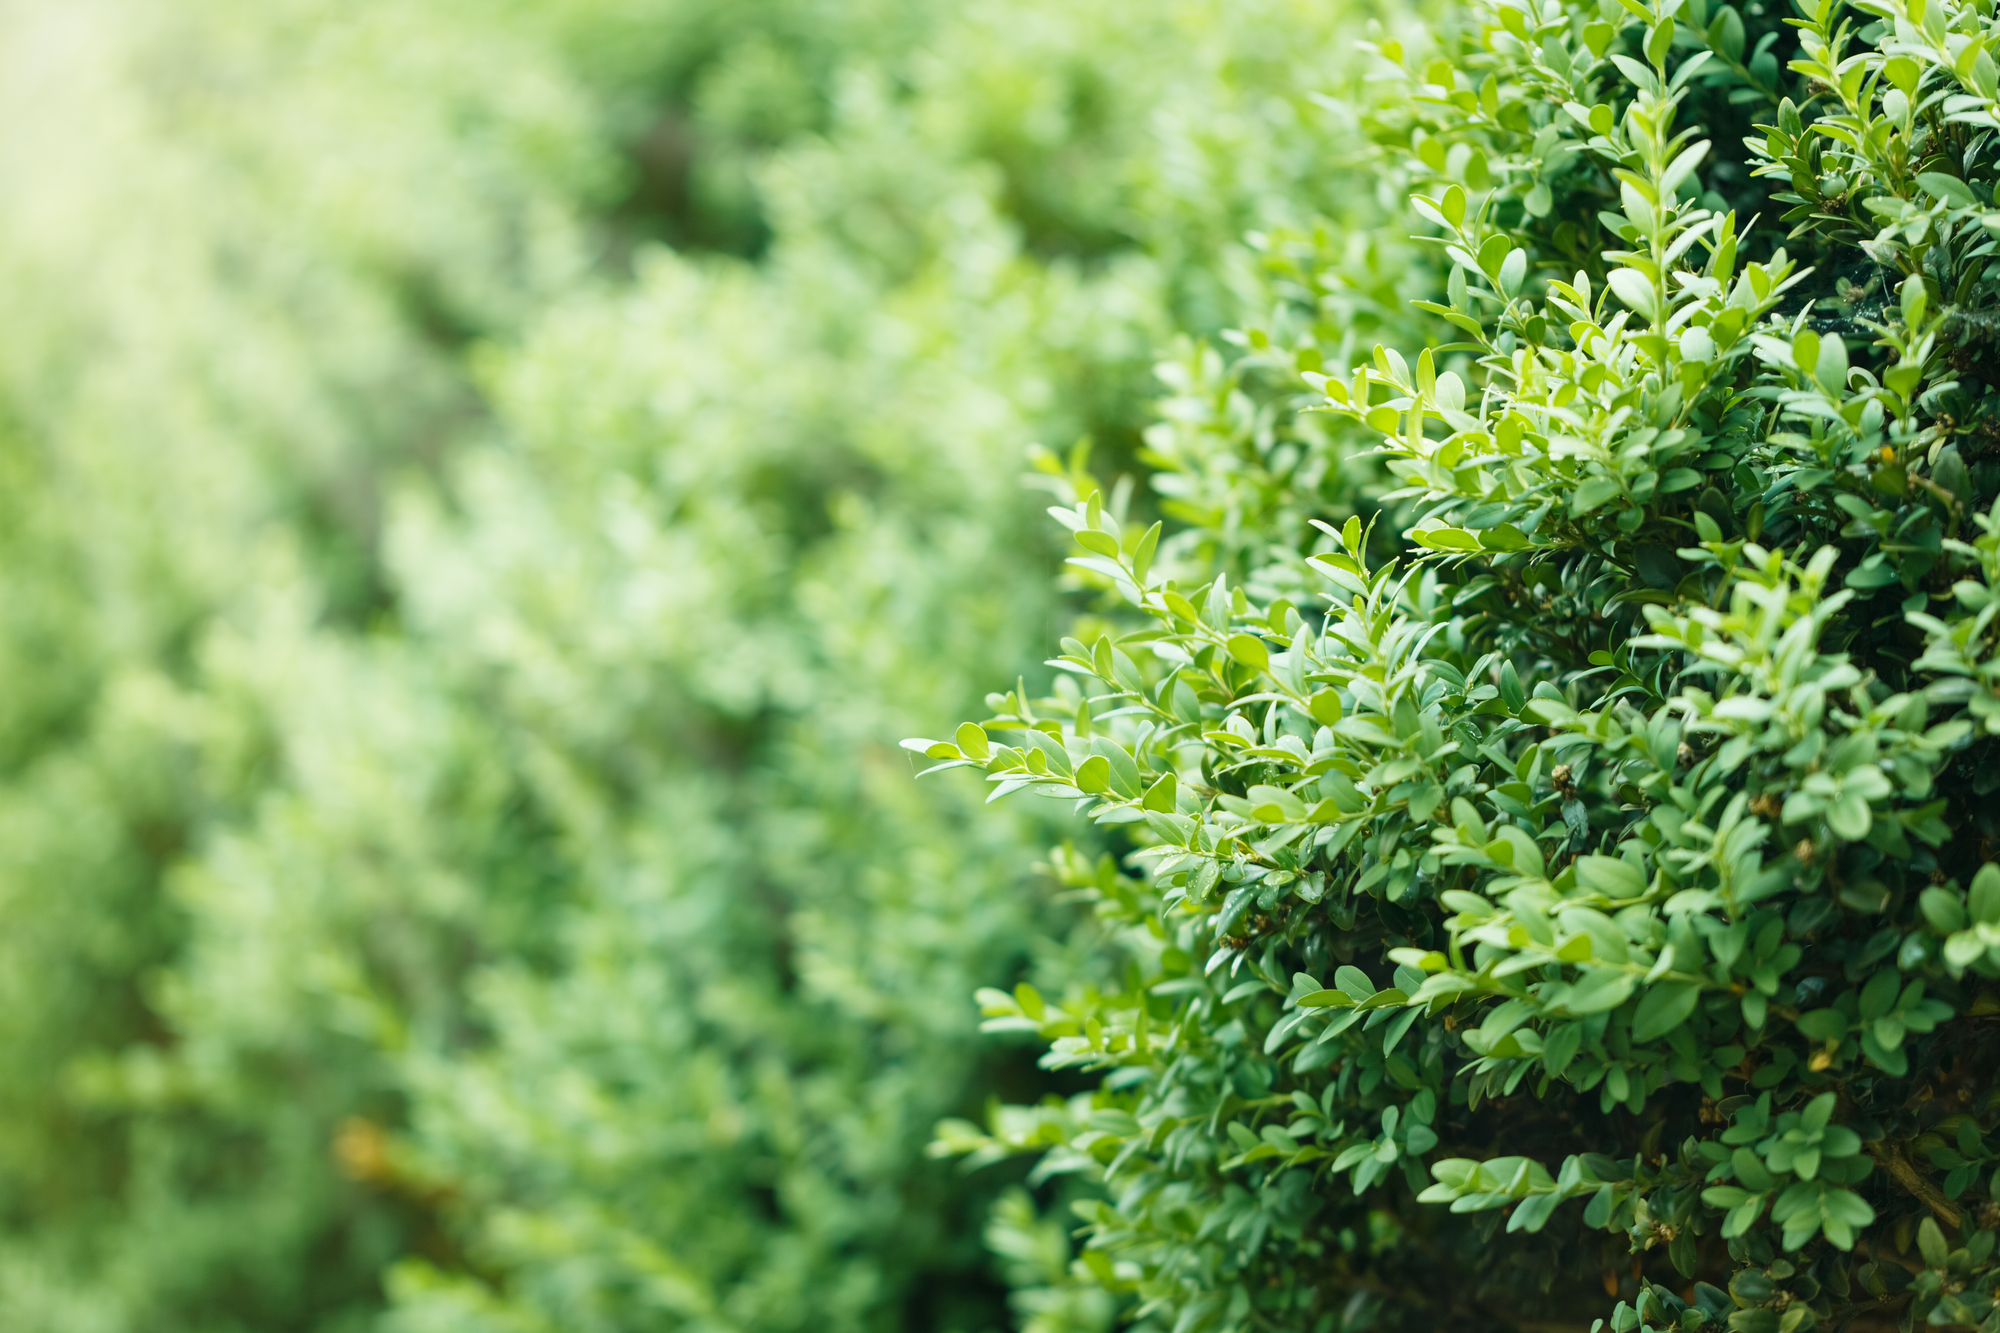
(485, 487)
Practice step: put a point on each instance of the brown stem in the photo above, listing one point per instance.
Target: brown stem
(1953, 505)
(1903, 1173)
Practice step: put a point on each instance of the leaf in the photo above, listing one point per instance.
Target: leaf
(1093, 775)
(1742, 1217)
(1983, 902)
(1962, 950)
(1600, 990)
(1382, 999)
(1517, 848)
(1533, 1212)
(1942, 909)
(1275, 805)
(1659, 41)
(1931, 1243)
(1849, 817)
(1326, 999)
(1848, 1207)
(1250, 651)
(1125, 769)
(1635, 73)
(1750, 1169)
(1591, 495)
(1894, 1062)
(1665, 1007)
(1878, 996)
(1949, 189)
(1354, 982)
(1444, 983)
(1101, 543)
(1681, 168)
(1635, 289)
(1830, 367)
(1142, 557)
(1325, 707)
(1234, 906)
(1451, 391)
(1560, 1046)
(1446, 539)
(1725, 34)
(1610, 876)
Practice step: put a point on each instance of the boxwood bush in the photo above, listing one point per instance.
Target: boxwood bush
(740, 523)
(485, 486)
(1543, 761)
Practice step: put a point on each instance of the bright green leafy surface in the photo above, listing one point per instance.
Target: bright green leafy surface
(1545, 763)
(486, 484)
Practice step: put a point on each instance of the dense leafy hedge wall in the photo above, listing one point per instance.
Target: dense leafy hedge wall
(453, 871)
(242, 247)
(1546, 761)
(722, 555)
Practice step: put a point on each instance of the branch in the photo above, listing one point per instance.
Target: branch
(1913, 1182)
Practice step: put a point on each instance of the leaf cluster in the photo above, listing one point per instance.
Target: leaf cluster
(1559, 853)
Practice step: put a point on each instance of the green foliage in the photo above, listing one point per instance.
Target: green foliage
(455, 879)
(226, 321)
(717, 558)
(1545, 768)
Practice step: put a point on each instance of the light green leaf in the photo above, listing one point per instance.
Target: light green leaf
(1949, 189)
(1610, 876)
(1666, 1006)
(1250, 651)
(1600, 990)
(1591, 495)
